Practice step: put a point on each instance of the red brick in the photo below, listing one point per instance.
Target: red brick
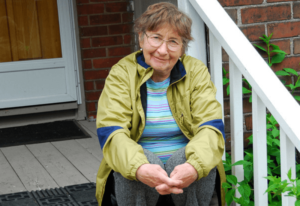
(296, 46)
(287, 29)
(228, 141)
(296, 9)
(128, 39)
(227, 124)
(263, 14)
(253, 32)
(107, 41)
(90, 9)
(91, 106)
(239, 2)
(118, 51)
(94, 31)
(105, 19)
(105, 63)
(82, 1)
(83, 21)
(116, 7)
(95, 74)
(100, 84)
(90, 96)
(85, 43)
(225, 57)
(87, 64)
(283, 45)
(288, 62)
(269, 1)
(89, 86)
(127, 17)
(91, 53)
(248, 122)
(92, 115)
(120, 29)
(247, 106)
(233, 14)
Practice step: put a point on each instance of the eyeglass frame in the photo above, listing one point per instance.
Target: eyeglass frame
(162, 43)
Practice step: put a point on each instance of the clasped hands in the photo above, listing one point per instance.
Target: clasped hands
(154, 176)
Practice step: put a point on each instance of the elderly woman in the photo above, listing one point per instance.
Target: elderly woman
(159, 125)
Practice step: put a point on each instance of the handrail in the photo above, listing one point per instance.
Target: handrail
(283, 107)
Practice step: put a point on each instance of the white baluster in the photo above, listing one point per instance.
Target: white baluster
(236, 120)
(216, 71)
(287, 159)
(259, 150)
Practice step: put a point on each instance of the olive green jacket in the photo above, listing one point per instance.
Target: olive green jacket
(121, 118)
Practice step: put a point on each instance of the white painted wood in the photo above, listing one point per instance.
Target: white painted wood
(60, 169)
(253, 67)
(32, 174)
(287, 159)
(9, 180)
(197, 47)
(259, 150)
(236, 120)
(85, 162)
(216, 72)
(92, 145)
(35, 78)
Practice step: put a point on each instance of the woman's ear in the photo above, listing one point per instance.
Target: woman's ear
(141, 39)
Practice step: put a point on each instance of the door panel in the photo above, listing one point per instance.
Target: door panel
(39, 65)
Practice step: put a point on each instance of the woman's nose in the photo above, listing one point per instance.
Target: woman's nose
(163, 49)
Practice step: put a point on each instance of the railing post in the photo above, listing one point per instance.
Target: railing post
(259, 150)
(287, 160)
(216, 71)
(236, 120)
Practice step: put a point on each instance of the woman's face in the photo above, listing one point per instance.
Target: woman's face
(161, 58)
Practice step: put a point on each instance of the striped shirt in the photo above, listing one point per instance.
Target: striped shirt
(161, 135)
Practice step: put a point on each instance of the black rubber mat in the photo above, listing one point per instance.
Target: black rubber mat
(74, 195)
(38, 133)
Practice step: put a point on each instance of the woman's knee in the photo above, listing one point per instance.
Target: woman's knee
(177, 158)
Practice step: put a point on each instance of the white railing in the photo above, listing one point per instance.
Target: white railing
(267, 92)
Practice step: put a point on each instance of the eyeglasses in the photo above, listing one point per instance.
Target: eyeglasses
(156, 41)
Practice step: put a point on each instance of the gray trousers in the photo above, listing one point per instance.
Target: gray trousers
(133, 193)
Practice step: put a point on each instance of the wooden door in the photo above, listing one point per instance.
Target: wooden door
(37, 59)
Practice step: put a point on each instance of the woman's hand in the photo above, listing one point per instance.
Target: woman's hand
(184, 172)
(153, 176)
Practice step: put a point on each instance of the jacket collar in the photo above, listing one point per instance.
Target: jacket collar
(177, 72)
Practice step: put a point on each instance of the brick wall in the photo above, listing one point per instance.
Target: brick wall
(258, 17)
(106, 35)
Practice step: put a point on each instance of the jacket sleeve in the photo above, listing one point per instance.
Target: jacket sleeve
(121, 153)
(205, 149)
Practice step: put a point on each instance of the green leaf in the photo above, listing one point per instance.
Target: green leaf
(250, 98)
(283, 81)
(278, 58)
(275, 47)
(297, 83)
(291, 71)
(229, 196)
(278, 51)
(224, 72)
(231, 179)
(297, 203)
(289, 174)
(270, 36)
(269, 126)
(275, 133)
(265, 40)
(242, 162)
(225, 185)
(297, 98)
(276, 141)
(279, 73)
(228, 90)
(260, 47)
(246, 91)
(250, 138)
(291, 86)
(225, 80)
